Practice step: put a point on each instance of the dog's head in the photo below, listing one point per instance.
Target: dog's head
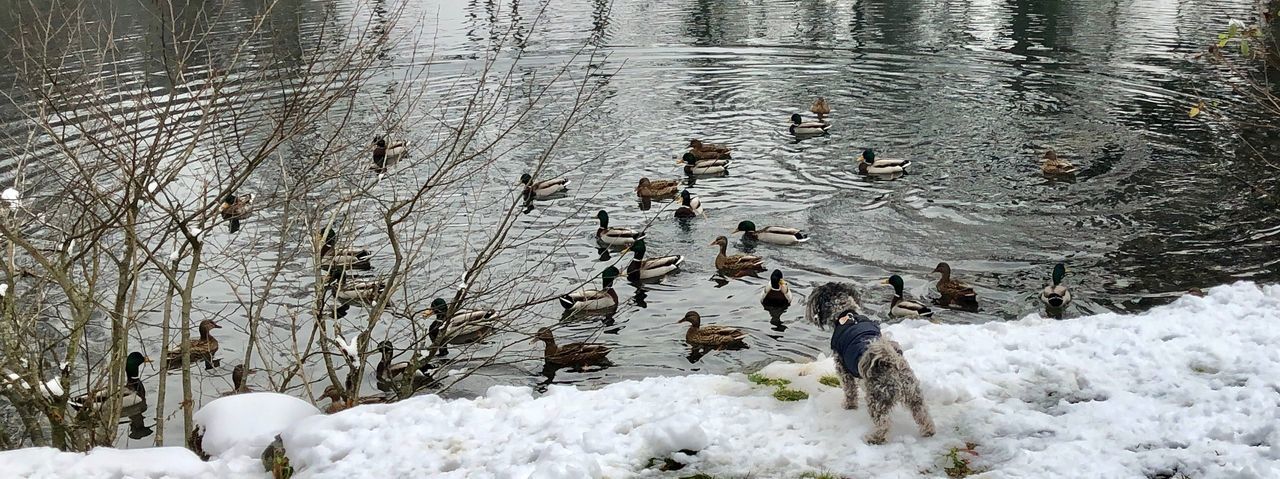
(828, 302)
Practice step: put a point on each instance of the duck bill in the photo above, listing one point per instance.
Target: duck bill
(884, 281)
(146, 359)
(625, 250)
(533, 341)
(735, 231)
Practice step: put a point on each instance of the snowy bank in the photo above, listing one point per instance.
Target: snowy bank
(1188, 388)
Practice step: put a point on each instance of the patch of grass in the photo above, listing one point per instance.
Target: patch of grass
(957, 462)
(663, 464)
(785, 394)
(830, 380)
(767, 381)
(819, 475)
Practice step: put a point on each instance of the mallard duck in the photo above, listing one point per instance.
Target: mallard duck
(641, 268)
(1054, 166)
(696, 145)
(236, 207)
(690, 206)
(542, 189)
(738, 264)
(202, 349)
(338, 399)
(954, 292)
(657, 188)
(615, 236)
(388, 371)
(771, 234)
(355, 290)
(695, 166)
(776, 294)
(713, 337)
(868, 164)
(820, 108)
(592, 300)
(333, 257)
(571, 355)
(900, 307)
(465, 326)
(386, 154)
(239, 375)
(133, 396)
(1056, 295)
(801, 127)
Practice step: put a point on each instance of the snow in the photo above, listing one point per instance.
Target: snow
(1190, 388)
(237, 428)
(104, 463)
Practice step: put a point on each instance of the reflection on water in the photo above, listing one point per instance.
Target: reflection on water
(972, 92)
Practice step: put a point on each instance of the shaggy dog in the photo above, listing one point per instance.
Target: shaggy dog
(863, 355)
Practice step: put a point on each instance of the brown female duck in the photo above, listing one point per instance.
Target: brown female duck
(954, 292)
(713, 337)
(657, 188)
(738, 264)
(1054, 166)
(820, 108)
(238, 376)
(338, 400)
(573, 354)
(202, 349)
(697, 145)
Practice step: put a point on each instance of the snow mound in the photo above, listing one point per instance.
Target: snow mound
(1190, 388)
(104, 463)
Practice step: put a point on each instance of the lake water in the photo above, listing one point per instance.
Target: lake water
(972, 92)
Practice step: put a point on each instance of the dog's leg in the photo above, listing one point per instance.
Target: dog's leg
(915, 401)
(879, 403)
(849, 383)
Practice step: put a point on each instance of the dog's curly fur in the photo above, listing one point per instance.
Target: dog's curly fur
(887, 379)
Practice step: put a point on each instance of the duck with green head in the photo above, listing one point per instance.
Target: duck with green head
(641, 268)
(780, 235)
(463, 326)
(236, 207)
(900, 306)
(388, 371)
(1056, 295)
(697, 166)
(593, 300)
(800, 127)
(690, 206)
(385, 154)
(869, 164)
(133, 396)
(776, 294)
(544, 189)
(615, 236)
(334, 258)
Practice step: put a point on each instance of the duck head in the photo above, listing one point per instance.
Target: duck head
(230, 199)
(796, 119)
(526, 179)
(638, 247)
(896, 282)
(689, 158)
(379, 142)
(695, 144)
(691, 317)
(869, 155)
(133, 362)
(685, 197)
(604, 218)
(943, 268)
(775, 279)
(206, 326)
(1059, 272)
(720, 241)
(745, 227)
(643, 183)
(439, 307)
(1050, 156)
(543, 334)
(607, 277)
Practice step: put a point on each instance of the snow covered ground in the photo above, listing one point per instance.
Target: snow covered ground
(1191, 388)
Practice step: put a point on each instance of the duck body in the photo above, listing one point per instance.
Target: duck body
(952, 291)
(1054, 166)
(593, 300)
(642, 268)
(690, 206)
(712, 337)
(236, 207)
(695, 166)
(868, 164)
(779, 235)
(900, 307)
(385, 153)
(799, 127)
(615, 236)
(738, 264)
(1056, 295)
(364, 291)
(338, 400)
(776, 294)
(542, 189)
(573, 354)
(202, 349)
(657, 188)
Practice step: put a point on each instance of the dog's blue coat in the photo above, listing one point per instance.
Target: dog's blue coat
(850, 340)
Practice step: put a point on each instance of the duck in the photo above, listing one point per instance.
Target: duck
(332, 257)
(238, 376)
(236, 207)
(1056, 295)
(820, 108)
(1054, 166)
(697, 145)
(779, 235)
(542, 189)
(573, 354)
(711, 337)
(695, 166)
(133, 396)
(690, 206)
(388, 371)
(465, 326)
(953, 291)
(868, 164)
(615, 236)
(900, 306)
(202, 349)
(801, 127)
(356, 290)
(593, 300)
(776, 294)
(338, 401)
(386, 154)
(738, 264)
(642, 269)
(657, 188)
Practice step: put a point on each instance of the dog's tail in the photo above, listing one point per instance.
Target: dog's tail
(828, 300)
(881, 354)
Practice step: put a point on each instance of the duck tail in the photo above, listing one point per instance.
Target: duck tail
(566, 301)
(801, 237)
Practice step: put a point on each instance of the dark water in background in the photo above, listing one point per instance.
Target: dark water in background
(972, 92)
